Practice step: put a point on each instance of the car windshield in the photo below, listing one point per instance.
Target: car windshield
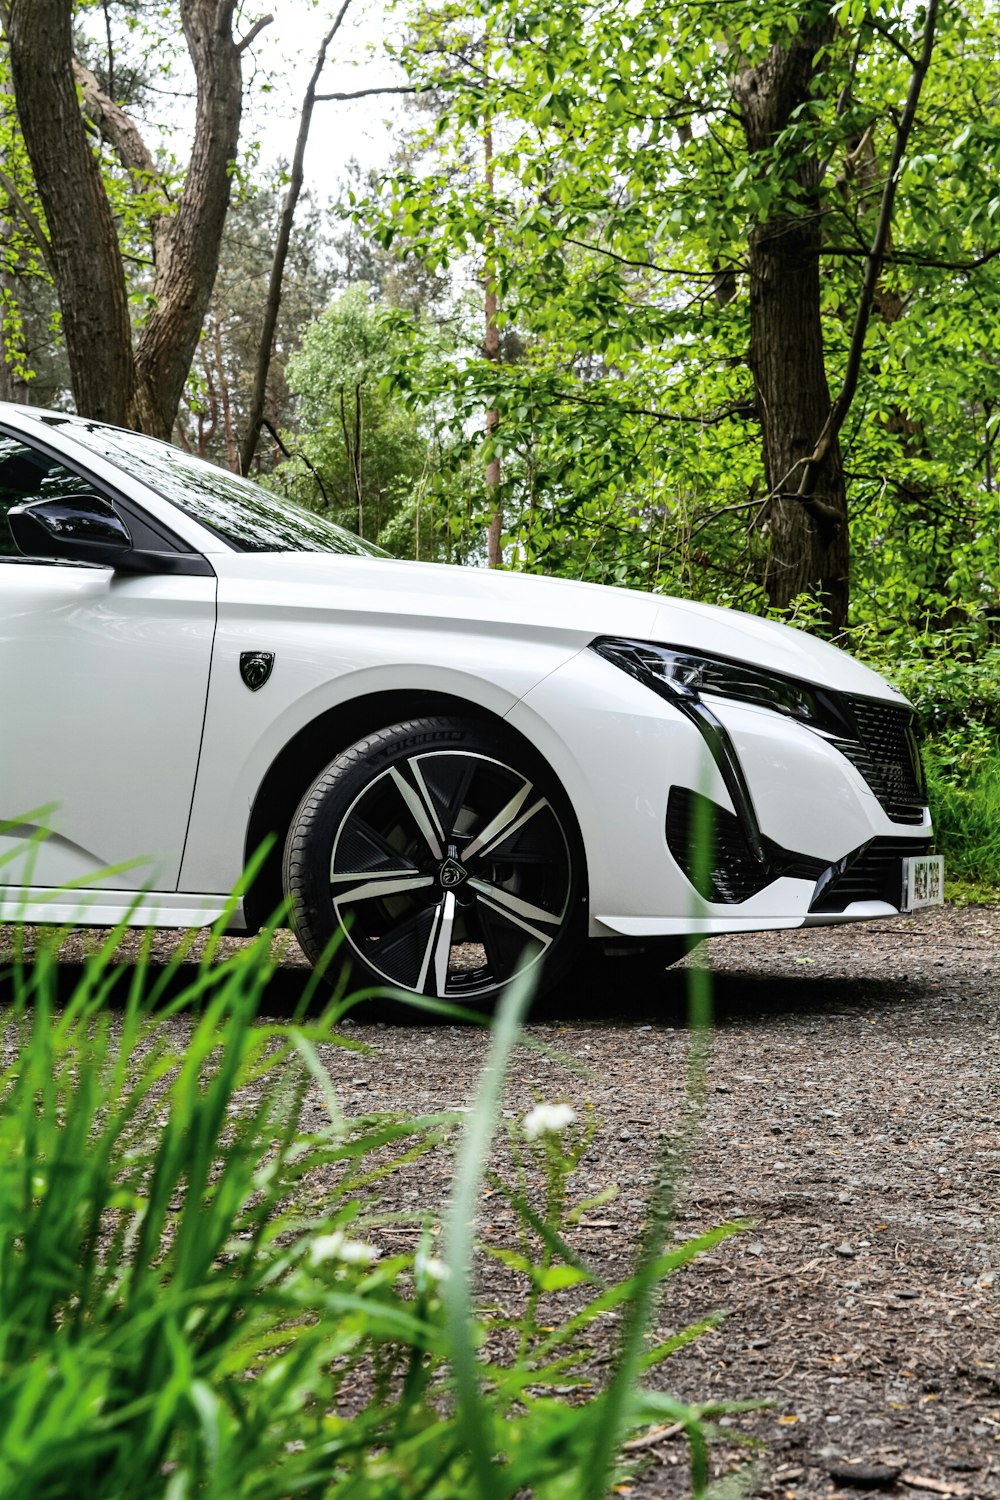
(248, 517)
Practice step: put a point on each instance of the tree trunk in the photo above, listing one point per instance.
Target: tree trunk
(90, 278)
(222, 375)
(189, 253)
(808, 547)
(491, 348)
(140, 388)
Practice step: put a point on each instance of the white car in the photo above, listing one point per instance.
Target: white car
(464, 772)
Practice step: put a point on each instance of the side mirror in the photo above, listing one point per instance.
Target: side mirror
(79, 528)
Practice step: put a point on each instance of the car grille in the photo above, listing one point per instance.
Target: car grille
(874, 873)
(887, 754)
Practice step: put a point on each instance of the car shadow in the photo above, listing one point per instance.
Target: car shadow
(607, 992)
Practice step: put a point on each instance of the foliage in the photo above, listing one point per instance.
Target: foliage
(623, 204)
(952, 677)
(963, 775)
(191, 1296)
(129, 236)
(30, 358)
(366, 452)
(216, 399)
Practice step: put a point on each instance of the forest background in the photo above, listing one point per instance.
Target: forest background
(695, 297)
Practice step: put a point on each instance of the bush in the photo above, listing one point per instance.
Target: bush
(190, 1298)
(953, 688)
(963, 774)
(954, 685)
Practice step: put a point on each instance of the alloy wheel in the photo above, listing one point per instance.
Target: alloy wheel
(450, 873)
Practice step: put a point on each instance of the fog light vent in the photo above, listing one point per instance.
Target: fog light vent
(726, 871)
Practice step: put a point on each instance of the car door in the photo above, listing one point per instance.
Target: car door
(103, 682)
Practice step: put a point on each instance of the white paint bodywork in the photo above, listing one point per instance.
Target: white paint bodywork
(123, 705)
(103, 679)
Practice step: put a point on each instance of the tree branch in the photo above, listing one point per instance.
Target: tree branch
(725, 510)
(893, 41)
(266, 426)
(914, 258)
(255, 416)
(641, 265)
(255, 31)
(118, 130)
(873, 268)
(744, 410)
(401, 88)
(32, 223)
(114, 124)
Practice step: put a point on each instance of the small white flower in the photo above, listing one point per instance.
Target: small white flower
(547, 1119)
(430, 1268)
(337, 1246)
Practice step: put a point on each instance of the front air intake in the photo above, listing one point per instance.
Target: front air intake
(711, 848)
(872, 873)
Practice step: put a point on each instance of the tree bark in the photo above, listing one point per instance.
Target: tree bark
(90, 277)
(808, 548)
(138, 387)
(491, 348)
(188, 255)
(808, 535)
(805, 517)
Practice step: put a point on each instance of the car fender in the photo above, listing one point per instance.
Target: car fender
(246, 731)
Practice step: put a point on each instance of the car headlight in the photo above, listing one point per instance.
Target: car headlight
(686, 676)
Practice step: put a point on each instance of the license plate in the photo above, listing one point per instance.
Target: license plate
(923, 881)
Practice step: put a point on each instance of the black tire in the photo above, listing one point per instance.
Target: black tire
(444, 855)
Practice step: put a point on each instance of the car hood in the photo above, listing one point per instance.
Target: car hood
(516, 604)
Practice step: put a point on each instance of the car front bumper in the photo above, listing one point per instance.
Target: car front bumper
(628, 759)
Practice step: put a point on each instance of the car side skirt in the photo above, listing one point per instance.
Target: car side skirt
(103, 908)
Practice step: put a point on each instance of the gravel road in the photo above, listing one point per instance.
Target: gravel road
(851, 1113)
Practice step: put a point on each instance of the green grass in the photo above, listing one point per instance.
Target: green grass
(190, 1298)
(965, 805)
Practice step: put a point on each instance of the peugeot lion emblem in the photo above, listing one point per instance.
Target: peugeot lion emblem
(451, 873)
(255, 668)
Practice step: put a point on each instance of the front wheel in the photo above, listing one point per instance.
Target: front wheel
(445, 859)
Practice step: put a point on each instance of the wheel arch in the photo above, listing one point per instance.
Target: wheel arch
(317, 743)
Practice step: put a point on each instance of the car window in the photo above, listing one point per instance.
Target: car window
(26, 474)
(247, 516)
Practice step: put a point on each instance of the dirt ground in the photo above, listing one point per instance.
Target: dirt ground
(852, 1111)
